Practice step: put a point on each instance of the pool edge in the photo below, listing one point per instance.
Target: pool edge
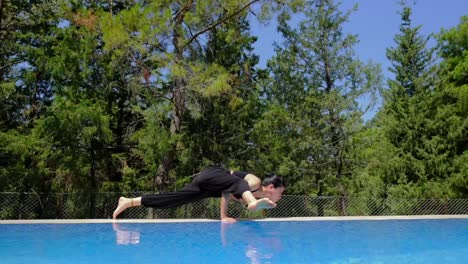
(326, 218)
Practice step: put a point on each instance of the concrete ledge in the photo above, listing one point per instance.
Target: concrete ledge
(361, 218)
(103, 221)
(285, 219)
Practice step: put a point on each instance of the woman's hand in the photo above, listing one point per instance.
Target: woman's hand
(228, 220)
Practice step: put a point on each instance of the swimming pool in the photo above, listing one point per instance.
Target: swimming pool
(369, 241)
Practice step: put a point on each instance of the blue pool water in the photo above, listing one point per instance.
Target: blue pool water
(389, 241)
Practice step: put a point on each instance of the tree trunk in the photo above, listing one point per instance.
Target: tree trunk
(123, 95)
(92, 194)
(342, 206)
(1, 14)
(161, 178)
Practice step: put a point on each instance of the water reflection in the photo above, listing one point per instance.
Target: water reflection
(126, 236)
(242, 242)
(260, 245)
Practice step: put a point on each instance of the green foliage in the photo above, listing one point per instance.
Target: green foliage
(312, 98)
(154, 139)
(75, 125)
(76, 135)
(24, 168)
(453, 44)
(140, 95)
(420, 130)
(6, 90)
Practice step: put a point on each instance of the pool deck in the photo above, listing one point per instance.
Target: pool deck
(325, 218)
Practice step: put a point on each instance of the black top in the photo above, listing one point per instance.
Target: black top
(217, 180)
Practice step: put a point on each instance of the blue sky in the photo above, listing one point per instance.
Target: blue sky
(376, 22)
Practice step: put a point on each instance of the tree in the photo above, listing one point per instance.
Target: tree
(453, 45)
(313, 109)
(60, 66)
(183, 76)
(417, 124)
(7, 50)
(405, 104)
(25, 87)
(221, 130)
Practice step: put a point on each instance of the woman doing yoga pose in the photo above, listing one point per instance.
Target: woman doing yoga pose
(216, 181)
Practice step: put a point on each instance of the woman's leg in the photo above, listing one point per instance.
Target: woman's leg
(210, 183)
(188, 194)
(125, 203)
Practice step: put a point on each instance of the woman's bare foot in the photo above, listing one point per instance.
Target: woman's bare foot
(124, 203)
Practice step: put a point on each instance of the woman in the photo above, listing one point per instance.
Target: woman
(216, 181)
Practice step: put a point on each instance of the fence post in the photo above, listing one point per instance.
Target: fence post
(446, 206)
(150, 213)
(342, 206)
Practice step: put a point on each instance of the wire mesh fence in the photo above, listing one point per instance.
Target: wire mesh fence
(102, 205)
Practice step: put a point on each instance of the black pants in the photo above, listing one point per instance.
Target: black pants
(211, 182)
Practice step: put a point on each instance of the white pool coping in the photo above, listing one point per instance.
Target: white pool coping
(283, 219)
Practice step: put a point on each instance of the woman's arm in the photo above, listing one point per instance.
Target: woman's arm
(224, 208)
(252, 204)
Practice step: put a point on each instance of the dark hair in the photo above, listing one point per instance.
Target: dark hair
(274, 179)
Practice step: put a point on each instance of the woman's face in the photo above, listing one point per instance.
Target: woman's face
(273, 193)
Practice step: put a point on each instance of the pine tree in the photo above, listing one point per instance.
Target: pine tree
(453, 44)
(405, 102)
(313, 102)
(415, 121)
